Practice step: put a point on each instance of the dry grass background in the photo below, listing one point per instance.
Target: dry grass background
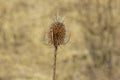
(23, 54)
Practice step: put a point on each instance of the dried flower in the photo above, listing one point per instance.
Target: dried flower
(56, 36)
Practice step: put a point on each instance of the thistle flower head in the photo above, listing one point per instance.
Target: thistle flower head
(57, 32)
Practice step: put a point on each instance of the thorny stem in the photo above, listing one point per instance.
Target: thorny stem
(54, 65)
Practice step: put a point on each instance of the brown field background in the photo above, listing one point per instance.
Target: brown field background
(92, 52)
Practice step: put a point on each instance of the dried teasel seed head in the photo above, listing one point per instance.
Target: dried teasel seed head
(57, 33)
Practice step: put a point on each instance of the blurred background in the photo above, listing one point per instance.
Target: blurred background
(92, 52)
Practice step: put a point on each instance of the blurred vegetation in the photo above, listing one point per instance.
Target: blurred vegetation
(91, 54)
